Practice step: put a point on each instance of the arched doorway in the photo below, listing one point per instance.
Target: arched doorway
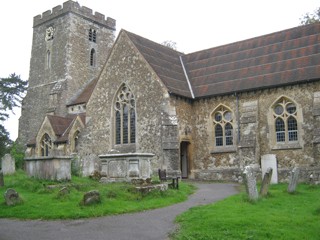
(184, 159)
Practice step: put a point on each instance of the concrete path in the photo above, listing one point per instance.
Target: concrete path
(148, 225)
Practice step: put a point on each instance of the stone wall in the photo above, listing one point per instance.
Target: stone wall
(155, 114)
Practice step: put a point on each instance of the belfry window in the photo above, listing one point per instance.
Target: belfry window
(45, 145)
(285, 117)
(92, 35)
(92, 58)
(223, 127)
(125, 117)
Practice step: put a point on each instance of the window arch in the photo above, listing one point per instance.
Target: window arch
(223, 130)
(92, 57)
(285, 115)
(75, 141)
(45, 145)
(125, 116)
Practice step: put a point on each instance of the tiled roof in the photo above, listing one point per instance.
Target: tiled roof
(165, 62)
(84, 94)
(59, 124)
(282, 58)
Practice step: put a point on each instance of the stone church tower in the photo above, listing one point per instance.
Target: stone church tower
(70, 45)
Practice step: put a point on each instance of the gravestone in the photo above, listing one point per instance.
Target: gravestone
(8, 164)
(1, 179)
(266, 182)
(91, 197)
(250, 183)
(293, 181)
(11, 197)
(270, 161)
(63, 192)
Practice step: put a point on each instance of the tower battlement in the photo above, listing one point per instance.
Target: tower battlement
(74, 7)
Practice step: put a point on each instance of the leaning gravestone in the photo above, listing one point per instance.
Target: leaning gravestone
(11, 197)
(294, 177)
(91, 197)
(266, 182)
(250, 183)
(8, 164)
(1, 179)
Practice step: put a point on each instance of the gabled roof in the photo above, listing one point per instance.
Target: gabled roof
(84, 94)
(281, 58)
(59, 124)
(165, 62)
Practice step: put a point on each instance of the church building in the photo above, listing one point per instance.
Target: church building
(127, 106)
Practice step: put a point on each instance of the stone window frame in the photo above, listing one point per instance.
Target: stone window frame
(224, 122)
(279, 113)
(46, 145)
(74, 141)
(124, 125)
(48, 62)
(93, 56)
(92, 35)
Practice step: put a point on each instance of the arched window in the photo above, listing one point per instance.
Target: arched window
(48, 59)
(46, 145)
(75, 141)
(223, 127)
(125, 116)
(92, 58)
(285, 117)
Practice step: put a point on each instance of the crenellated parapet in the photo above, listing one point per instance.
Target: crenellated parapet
(74, 7)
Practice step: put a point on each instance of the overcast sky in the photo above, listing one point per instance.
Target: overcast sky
(193, 25)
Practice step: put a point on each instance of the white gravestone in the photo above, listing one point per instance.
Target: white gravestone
(270, 161)
(8, 164)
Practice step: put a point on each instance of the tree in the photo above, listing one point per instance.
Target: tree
(170, 44)
(310, 18)
(12, 90)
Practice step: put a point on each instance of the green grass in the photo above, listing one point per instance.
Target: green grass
(40, 202)
(279, 216)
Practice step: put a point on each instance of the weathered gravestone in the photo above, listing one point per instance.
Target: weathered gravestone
(63, 192)
(293, 181)
(266, 182)
(250, 183)
(8, 164)
(91, 197)
(11, 197)
(1, 179)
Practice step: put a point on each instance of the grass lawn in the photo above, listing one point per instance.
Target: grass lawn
(279, 216)
(40, 202)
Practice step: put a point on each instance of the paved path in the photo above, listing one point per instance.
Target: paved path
(148, 225)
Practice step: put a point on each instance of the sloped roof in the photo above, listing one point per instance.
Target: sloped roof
(59, 124)
(281, 58)
(84, 94)
(165, 62)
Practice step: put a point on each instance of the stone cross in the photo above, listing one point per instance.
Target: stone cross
(250, 183)
(293, 180)
(1, 179)
(8, 164)
(266, 182)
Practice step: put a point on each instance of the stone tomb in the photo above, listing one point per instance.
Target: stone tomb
(126, 166)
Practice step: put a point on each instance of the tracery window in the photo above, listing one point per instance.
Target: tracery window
(223, 127)
(125, 116)
(45, 145)
(92, 58)
(92, 35)
(285, 117)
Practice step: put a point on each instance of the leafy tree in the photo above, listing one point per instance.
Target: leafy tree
(12, 90)
(170, 44)
(310, 18)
